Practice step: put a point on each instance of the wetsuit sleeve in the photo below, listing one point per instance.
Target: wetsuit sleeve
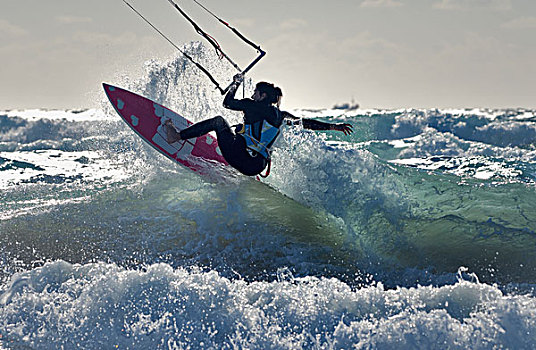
(315, 124)
(306, 122)
(230, 102)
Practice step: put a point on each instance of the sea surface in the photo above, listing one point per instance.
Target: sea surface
(418, 231)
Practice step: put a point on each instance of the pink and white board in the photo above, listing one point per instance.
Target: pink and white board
(147, 119)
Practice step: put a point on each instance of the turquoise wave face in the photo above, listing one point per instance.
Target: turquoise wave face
(342, 207)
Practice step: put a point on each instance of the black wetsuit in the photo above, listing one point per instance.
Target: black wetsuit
(233, 146)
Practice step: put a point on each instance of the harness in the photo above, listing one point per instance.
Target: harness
(260, 136)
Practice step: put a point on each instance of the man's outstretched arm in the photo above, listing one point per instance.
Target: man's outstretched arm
(313, 124)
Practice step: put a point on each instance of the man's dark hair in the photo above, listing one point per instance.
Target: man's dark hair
(272, 92)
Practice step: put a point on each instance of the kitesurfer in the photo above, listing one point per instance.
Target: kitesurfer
(248, 149)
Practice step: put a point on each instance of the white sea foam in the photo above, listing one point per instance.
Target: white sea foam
(67, 115)
(57, 166)
(105, 306)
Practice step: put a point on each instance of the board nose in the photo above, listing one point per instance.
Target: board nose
(108, 88)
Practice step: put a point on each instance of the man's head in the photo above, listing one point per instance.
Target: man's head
(266, 92)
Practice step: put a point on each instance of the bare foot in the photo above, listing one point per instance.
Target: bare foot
(171, 133)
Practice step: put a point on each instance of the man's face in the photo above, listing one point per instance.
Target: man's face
(257, 96)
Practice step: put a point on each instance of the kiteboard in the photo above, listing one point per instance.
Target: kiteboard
(147, 119)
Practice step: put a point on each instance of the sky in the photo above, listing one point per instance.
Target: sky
(382, 53)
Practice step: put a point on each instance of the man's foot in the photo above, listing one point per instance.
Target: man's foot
(172, 135)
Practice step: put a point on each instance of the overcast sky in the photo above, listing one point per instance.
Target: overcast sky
(383, 53)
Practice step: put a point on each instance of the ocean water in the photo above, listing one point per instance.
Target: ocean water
(418, 231)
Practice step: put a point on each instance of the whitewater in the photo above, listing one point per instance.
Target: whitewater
(417, 231)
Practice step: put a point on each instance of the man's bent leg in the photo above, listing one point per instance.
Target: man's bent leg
(217, 124)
